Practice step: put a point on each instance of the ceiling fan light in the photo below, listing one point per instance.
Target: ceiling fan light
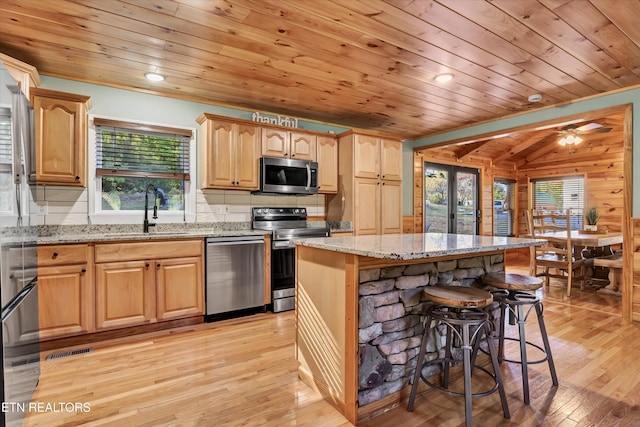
(154, 77)
(570, 139)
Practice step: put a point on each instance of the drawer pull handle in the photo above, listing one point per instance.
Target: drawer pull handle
(55, 255)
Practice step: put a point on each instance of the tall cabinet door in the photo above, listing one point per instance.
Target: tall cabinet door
(220, 155)
(366, 156)
(247, 156)
(366, 206)
(391, 160)
(391, 207)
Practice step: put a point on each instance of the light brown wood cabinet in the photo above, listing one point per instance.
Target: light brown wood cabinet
(61, 137)
(327, 158)
(288, 144)
(230, 154)
(139, 283)
(370, 190)
(65, 290)
(25, 75)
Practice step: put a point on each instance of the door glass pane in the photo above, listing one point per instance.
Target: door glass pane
(503, 202)
(466, 203)
(436, 200)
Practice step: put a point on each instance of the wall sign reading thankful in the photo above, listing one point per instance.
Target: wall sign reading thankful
(275, 120)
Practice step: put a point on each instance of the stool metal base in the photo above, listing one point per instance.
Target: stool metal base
(515, 303)
(467, 327)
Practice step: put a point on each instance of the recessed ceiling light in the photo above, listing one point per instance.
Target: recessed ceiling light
(154, 77)
(441, 78)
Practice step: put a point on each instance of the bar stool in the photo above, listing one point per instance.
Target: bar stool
(519, 295)
(461, 310)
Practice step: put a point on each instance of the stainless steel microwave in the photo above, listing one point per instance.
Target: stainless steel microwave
(288, 176)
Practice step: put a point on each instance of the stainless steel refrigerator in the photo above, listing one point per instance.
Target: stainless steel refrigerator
(20, 349)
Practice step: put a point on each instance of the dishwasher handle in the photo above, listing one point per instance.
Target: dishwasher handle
(234, 240)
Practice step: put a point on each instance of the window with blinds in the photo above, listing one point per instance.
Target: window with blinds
(559, 194)
(127, 149)
(132, 156)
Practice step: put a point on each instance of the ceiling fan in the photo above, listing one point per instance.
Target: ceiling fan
(571, 134)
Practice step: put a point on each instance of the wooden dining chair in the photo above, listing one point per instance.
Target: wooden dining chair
(556, 255)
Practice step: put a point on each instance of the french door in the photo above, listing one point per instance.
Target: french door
(451, 195)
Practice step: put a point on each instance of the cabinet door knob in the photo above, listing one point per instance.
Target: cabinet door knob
(158, 265)
(146, 265)
(84, 270)
(55, 255)
(293, 155)
(77, 178)
(286, 154)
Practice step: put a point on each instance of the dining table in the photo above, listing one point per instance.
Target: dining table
(581, 239)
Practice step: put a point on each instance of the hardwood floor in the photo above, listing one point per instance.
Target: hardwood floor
(243, 373)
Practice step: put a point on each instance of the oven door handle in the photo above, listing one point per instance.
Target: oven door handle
(282, 244)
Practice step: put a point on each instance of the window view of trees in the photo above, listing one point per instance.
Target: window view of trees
(129, 160)
(560, 195)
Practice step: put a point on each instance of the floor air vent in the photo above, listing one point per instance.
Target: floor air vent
(64, 354)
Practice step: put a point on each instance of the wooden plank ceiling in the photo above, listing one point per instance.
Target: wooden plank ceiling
(366, 64)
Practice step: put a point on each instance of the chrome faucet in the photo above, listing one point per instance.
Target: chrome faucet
(146, 224)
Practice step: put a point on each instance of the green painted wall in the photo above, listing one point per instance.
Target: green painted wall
(621, 98)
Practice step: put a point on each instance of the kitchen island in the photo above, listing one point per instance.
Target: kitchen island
(360, 305)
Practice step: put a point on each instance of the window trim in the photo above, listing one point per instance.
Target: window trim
(97, 216)
(579, 211)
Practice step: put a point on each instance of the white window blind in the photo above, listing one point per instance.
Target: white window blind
(134, 150)
(559, 194)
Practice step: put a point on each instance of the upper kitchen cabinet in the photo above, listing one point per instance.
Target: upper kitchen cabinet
(290, 144)
(370, 193)
(327, 150)
(376, 157)
(25, 75)
(61, 137)
(230, 153)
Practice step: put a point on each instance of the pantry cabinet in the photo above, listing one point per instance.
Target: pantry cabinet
(230, 154)
(370, 192)
(61, 137)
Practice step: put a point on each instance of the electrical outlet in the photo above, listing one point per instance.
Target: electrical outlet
(43, 208)
(221, 209)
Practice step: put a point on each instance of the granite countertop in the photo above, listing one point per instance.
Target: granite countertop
(139, 236)
(416, 246)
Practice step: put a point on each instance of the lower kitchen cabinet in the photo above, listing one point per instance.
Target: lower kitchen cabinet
(124, 294)
(179, 286)
(139, 283)
(65, 290)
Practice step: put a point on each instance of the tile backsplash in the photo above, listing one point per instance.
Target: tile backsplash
(70, 205)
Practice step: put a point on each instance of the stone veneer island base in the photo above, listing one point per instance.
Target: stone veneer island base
(360, 305)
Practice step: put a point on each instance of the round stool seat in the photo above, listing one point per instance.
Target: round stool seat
(458, 296)
(512, 281)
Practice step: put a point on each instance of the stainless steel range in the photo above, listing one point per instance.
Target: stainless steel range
(285, 224)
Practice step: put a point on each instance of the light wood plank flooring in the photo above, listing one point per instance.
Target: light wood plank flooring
(243, 373)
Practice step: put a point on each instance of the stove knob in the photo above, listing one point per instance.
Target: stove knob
(295, 211)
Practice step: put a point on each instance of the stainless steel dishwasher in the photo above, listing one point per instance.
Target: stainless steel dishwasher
(235, 275)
